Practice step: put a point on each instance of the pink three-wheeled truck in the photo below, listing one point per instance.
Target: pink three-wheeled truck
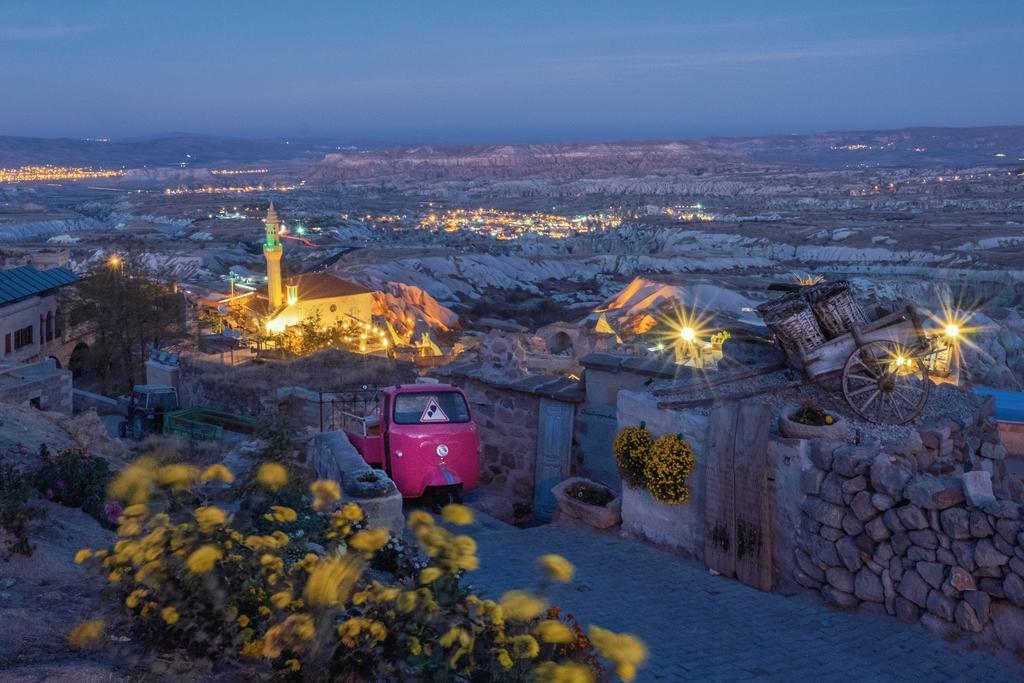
(424, 437)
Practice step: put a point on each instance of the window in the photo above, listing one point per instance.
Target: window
(22, 338)
(7, 343)
(429, 408)
(49, 326)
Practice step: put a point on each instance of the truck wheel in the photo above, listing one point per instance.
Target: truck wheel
(445, 495)
(138, 427)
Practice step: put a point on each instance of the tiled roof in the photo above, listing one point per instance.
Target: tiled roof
(20, 283)
(324, 286)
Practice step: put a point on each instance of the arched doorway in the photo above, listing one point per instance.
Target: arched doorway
(77, 361)
(561, 343)
(56, 361)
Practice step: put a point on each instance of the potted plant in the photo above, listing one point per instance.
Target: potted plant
(809, 421)
(592, 503)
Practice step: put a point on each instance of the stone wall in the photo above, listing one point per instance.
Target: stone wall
(507, 424)
(915, 530)
(41, 384)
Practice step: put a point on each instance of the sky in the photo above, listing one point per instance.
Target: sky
(442, 71)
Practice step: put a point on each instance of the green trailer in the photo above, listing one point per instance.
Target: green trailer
(205, 424)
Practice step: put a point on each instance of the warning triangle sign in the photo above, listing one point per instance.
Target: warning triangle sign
(433, 412)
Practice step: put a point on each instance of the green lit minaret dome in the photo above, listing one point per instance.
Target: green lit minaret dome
(273, 225)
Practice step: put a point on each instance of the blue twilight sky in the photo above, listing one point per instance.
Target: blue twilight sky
(505, 70)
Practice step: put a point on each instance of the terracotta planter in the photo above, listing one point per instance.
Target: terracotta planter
(593, 515)
(798, 430)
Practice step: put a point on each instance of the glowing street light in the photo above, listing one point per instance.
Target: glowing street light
(952, 330)
(688, 334)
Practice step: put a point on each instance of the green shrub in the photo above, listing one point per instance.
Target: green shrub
(75, 479)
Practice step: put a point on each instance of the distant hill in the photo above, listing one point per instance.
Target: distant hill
(158, 150)
(904, 147)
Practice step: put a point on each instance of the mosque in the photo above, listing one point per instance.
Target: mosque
(289, 301)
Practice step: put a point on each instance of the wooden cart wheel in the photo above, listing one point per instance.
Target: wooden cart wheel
(885, 383)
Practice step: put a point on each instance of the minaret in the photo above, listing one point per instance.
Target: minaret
(272, 251)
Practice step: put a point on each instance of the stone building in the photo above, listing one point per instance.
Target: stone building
(31, 324)
(41, 384)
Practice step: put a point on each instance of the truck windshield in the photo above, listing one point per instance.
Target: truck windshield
(443, 407)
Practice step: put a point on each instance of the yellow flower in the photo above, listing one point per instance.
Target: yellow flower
(281, 600)
(569, 672)
(525, 647)
(325, 492)
(352, 512)
(554, 631)
(420, 518)
(407, 601)
(430, 575)
(370, 540)
(170, 615)
(454, 513)
(556, 568)
(829, 419)
(243, 621)
(456, 635)
(86, 633)
(209, 518)
(414, 645)
(504, 659)
(272, 476)
(522, 605)
(331, 581)
(177, 476)
(378, 631)
(280, 513)
(203, 558)
(627, 652)
(293, 664)
(135, 482)
(292, 634)
(82, 555)
(219, 472)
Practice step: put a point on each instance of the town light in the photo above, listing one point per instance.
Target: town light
(688, 334)
(952, 330)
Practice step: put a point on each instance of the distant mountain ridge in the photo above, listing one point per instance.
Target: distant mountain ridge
(924, 146)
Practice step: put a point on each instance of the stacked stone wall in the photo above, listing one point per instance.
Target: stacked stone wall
(927, 530)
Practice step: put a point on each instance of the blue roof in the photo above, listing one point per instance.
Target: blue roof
(20, 283)
(1009, 404)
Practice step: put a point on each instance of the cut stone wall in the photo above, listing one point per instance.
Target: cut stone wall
(917, 530)
(42, 384)
(507, 423)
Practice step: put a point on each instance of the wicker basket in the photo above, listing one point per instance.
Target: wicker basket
(791, 319)
(836, 309)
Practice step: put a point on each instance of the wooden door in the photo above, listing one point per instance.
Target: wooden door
(737, 527)
(554, 447)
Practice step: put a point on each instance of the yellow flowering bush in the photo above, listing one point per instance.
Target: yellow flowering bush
(185, 575)
(666, 468)
(632, 445)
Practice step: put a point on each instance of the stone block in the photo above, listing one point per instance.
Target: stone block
(938, 625)
(838, 598)
(822, 551)
(991, 586)
(832, 489)
(849, 553)
(1013, 589)
(934, 493)
(877, 530)
(981, 602)
(858, 483)
(892, 521)
(831, 533)
(924, 538)
(1003, 509)
(852, 526)
(850, 461)
(980, 526)
(1008, 529)
(907, 611)
(966, 618)
(941, 606)
(900, 543)
(868, 586)
(821, 453)
(888, 477)
(932, 572)
(823, 512)
(862, 507)
(913, 588)
(912, 517)
(978, 488)
(805, 564)
(840, 578)
(919, 554)
(883, 553)
(986, 555)
(882, 501)
(956, 523)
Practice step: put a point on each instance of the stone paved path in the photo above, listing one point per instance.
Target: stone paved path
(700, 627)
